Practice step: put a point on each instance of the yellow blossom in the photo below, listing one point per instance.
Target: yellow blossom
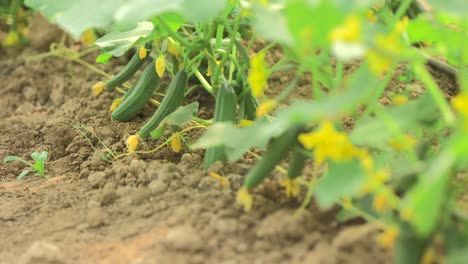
(245, 199)
(266, 107)
(176, 142)
(401, 25)
(399, 144)
(142, 52)
(172, 49)
(388, 237)
(460, 104)
(115, 103)
(132, 143)
(245, 123)
(88, 37)
(347, 203)
(406, 214)
(370, 14)
(350, 31)
(328, 143)
(12, 39)
(291, 187)
(97, 88)
(381, 202)
(429, 256)
(258, 74)
(399, 99)
(160, 65)
(222, 180)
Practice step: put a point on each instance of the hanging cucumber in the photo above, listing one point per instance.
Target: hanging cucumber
(225, 111)
(129, 70)
(297, 162)
(277, 151)
(174, 98)
(141, 93)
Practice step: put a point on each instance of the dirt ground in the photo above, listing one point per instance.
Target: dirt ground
(157, 208)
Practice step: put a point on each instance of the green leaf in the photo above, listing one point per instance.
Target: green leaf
(425, 199)
(455, 7)
(376, 132)
(343, 179)
(271, 24)
(103, 58)
(39, 167)
(237, 140)
(14, 158)
(182, 115)
(117, 43)
(77, 16)
(22, 174)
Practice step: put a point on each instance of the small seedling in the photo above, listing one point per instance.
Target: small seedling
(38, 166)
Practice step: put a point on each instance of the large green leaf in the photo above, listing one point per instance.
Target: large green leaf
(426, 198)
(455, 7)
(117, 43)
(77, 16)
(343, 179)
(182, 115)
(238, 140)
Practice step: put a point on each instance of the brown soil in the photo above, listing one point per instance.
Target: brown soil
(159, 208)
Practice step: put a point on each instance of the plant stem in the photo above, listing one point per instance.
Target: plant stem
(434, 90)
(174, 34)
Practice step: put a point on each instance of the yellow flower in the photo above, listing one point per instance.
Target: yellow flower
(258, 74)
(245, 199)
(176, 142)
(429, 256)
(328, 143)
(370, 14)
(402, 144)
(266, 107)
(347, 203)
(98, 88)
(115, 103)
(350, 31)
(142, 52)
(291, 187)
(12, 39)
(399, 99)
(245, 123)
(222, 180)
(388, 237)
(160, 65)
(88, 37)
(381, 202)
(172, 49)
(132, 143)
(460, 104)
(406, 214)
(387, 46)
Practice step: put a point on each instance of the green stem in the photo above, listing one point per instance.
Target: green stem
(202, 80)
(378, 92)
(174, 34)
(434, 90)
(402, 9)
(232, 37)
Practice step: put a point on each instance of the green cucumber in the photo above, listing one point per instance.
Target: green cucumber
(277, 151)
(141, 93)
(174, 98)
(225, 111)
(128, 71)
(250, 105)
(296, 163)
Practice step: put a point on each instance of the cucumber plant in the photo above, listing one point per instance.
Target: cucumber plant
(38, 166)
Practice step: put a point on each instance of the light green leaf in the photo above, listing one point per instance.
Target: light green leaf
(343, 179)
(117, 43)
(270, 23)
(22, 174)
(182, 115)
(14, 158)
(455, 7)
